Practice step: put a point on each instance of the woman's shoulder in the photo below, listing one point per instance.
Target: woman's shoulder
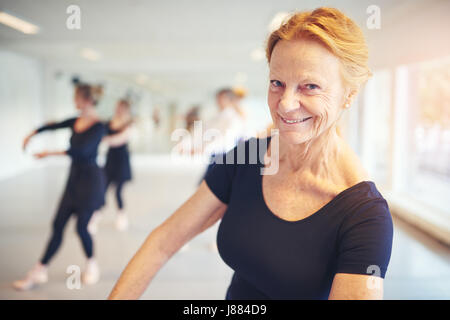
(71, 120)
(364, 201)
(362, 197)
(99, 127)
(365, 189)
(99, 124)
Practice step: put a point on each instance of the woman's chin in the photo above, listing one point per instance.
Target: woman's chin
(292, 137)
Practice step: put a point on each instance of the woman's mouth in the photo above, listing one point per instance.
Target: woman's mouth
(294, 121)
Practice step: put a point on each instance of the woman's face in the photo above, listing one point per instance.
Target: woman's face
(121, 109)
(80, 102)
(222, 101)
(306, 91)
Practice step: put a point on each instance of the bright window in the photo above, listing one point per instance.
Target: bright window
(404, 131)
(427, 139)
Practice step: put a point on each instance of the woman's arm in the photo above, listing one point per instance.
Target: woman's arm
(44, 154)
(49, 126)
(198, 213)
(118, 139)
(57, 125)
(27, 139)
(348, 286)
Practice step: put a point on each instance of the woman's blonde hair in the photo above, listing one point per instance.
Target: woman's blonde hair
(125, 103)
(90, 92)
(334, 30)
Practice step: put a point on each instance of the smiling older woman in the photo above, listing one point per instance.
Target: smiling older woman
(317, 228)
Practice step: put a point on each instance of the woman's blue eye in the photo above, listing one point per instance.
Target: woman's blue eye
(311, 86)
(276, 83)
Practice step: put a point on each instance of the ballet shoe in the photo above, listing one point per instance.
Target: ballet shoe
(91, 274)
(37, 275)
(93, 223)
(121, 222)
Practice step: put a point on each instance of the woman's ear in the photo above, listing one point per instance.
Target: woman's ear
(350, 96)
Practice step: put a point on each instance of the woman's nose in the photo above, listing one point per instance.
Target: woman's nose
(289, 102)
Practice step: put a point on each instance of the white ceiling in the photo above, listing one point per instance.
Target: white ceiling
(182, 46)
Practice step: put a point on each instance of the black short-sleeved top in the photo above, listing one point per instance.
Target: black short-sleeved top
(274, 258)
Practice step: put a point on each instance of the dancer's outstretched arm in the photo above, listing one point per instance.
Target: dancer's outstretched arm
(49, 126)
(118, 139)
(44, 154)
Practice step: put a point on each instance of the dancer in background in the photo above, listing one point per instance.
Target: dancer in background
(117, 168)
(191, 116)
(230, 123)
(156, 117)
(84, 191)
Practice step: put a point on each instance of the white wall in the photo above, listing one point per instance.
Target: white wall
(20, 109)
(416, 31)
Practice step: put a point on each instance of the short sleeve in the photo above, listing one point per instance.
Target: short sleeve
(219, 176)
(365, 240)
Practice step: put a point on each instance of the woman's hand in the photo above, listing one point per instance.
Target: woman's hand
(27, 140)
(40, 155)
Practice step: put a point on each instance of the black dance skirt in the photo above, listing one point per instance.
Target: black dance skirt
(117, 167)
(85, 188)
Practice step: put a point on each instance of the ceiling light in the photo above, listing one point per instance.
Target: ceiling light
(18, 24)
(277, 20)
(240, 77)
(90, 54)
(141, 79)
(257, 54)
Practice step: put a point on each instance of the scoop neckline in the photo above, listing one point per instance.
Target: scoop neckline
(311, 216)
(78, 132)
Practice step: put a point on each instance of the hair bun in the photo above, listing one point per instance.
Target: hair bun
(90, 92)
(97, 92)
(240, 92)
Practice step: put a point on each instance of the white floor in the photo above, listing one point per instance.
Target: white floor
(28, 203)
(419, 268)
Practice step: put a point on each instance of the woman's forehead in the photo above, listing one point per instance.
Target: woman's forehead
(307, 57)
